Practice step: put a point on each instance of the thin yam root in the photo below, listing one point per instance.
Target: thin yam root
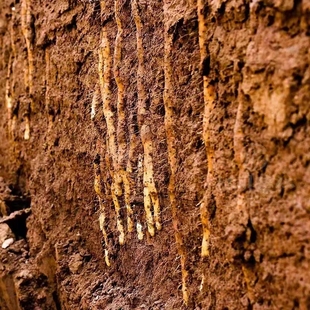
(172, 158)
(150, 192)
(105, 70)
(209, 97)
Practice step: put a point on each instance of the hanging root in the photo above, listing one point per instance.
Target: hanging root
(104, 233)
(132, 153)
(95, 102)
(209, 96)
(172, 157)
(9, 95)
(121, 126)
(27, 24)
(104, 70)
(28, 33)
(97, 187)
(150, 191)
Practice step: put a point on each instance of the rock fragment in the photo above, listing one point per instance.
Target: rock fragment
(7, 243)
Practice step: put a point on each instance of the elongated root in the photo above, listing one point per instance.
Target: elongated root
(172, 157)
(150, 191)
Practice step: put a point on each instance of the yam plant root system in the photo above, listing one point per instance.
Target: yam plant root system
(154, 154)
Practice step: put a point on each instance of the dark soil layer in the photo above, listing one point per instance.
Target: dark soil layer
(165, 148)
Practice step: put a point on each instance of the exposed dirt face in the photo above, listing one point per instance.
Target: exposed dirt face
(168, 140)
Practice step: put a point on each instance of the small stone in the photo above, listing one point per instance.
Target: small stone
(7, 243)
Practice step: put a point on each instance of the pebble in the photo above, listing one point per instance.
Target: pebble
(7, 243)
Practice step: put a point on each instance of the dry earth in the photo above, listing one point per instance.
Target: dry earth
(163, 148)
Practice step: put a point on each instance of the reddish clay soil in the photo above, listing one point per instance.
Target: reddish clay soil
(155, 154)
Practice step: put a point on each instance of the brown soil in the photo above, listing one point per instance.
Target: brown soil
(183, 126)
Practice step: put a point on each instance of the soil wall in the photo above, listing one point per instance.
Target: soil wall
(164, 146)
